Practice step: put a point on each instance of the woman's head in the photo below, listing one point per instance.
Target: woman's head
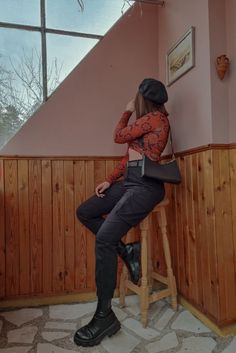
(151, 97)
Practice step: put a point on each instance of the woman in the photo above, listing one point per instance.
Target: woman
(126, 202)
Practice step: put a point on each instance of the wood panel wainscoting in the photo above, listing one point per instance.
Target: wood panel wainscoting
(46, 252)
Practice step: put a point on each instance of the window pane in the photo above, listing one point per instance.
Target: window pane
(64, 53)
(98, 15)
(20, 11)
(20, 79)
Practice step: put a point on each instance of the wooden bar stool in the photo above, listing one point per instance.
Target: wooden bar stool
(145, 290)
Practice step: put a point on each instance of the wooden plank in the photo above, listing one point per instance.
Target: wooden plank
(80, 230)
(35, 212)
(11, 231)
(47, 226)
(184, 256)
(191, 229)
(232, 162)
(2, 233)
(90, 186)
(24, 238)
(225, 243)
(203, 246)
(211, 294)
(58, 226)
(196, 168)
(69, 226)
(99, 172)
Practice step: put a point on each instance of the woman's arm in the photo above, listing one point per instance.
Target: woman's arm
(119, 169)
(146, 123)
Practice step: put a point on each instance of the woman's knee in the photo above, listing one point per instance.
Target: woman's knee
(82, 212)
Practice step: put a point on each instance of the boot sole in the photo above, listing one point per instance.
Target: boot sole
(110, 331)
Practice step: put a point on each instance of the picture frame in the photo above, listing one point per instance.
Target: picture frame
(180, 58)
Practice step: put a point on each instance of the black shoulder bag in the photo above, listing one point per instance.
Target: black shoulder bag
(167, 172)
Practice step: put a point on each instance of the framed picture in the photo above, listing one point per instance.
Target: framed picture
(181, 57)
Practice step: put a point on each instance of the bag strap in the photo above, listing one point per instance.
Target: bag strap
(141, 139)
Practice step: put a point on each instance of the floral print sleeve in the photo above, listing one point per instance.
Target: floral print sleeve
(141, 126)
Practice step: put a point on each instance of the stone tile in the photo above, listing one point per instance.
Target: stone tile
(120, 314)
(51, 336)
(131, 304)
(231, 347)
(167, 342)
(72, 311)
(186, 321)
(137, 327)
(25, 334)
(129, 299)
(57, 325)
(120, 342)
(197, 345)
(155, 308)
(20, 317)
(15, 350)
(50, 348)
(164, 319)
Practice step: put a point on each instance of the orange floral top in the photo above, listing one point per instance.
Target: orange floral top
(155, 128)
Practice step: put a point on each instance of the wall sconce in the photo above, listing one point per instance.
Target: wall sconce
(222, 65)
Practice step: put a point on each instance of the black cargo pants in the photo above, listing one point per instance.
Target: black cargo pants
(127, 202)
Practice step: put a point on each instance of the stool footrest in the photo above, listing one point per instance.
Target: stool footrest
(159, 278)
(134, 287)
(159, 295)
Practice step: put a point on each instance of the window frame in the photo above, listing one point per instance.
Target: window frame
(43, 30)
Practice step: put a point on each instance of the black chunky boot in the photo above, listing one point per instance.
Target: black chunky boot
(130, 254)
(104, 323)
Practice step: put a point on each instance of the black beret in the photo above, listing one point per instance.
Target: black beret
(153, 90)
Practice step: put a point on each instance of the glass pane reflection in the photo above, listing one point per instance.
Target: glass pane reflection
(63, 54)
(20, 79)
(20, 11)
(97, 18)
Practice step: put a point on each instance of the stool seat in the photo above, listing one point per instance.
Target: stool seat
(144, 289)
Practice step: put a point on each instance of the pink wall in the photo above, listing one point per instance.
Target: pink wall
(219, 89)
(231, 51)
(80, 117)
(89, 102)
(190, 96)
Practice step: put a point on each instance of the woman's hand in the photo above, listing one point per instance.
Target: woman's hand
(101, 187)
(130, 106)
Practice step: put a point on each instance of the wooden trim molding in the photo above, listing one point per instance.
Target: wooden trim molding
(211, 146)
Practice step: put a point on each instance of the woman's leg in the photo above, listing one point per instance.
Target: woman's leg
(90, 212)
(131, 209)
(138, 200)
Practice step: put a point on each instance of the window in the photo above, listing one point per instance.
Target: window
(41, 41)
(63, 54)
(20, 11)
(20, 79)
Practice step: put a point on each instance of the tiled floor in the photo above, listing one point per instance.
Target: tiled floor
(50, 329)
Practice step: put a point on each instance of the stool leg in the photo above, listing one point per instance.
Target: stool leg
(123, 289)
(171, 278)
(144, 301)
(150, 254)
